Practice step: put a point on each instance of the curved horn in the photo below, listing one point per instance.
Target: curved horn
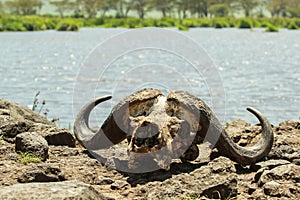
(211, 129)
(248, 155)
(84, 134)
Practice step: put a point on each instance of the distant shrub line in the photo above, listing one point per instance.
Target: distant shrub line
(36, 23)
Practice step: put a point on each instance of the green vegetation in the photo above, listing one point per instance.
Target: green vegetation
(192, 197)
(245, 23)
(28, 157)
(68, 25)
(220, 23)
(293, 26)
(271, 28)
(1, 137)
(36, 23)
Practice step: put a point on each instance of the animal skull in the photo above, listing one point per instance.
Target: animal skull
(161, 128)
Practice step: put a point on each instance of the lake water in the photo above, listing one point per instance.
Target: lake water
(256, 68)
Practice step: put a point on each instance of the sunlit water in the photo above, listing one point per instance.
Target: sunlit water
(257, 69)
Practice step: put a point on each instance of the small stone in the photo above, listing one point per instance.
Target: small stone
(118, 184)
(101, 180)
(272, 188)
(270, 164)
(222, 165)
(34, 143)
(42, 173)
(4, 112)
(59, 137)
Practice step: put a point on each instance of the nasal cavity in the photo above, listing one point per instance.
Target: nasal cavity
(146, 130)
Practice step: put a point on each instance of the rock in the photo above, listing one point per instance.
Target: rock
(42, 173)
(21, 113)
(12, 129)
(289, 172)
(242, 133)
(75, 190)
(270, 164)
(281, 190)
(17, 119)
(205, 181)
(272, 188)
(222, 165)
(118, 184)
(289, 124)
(101, 180)
(33, 143)
(286, 152)
(59, 136)
(64, 151)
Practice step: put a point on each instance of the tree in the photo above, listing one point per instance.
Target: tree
(63, 6)
(219, 10)
(1, 8)
(284, 7)
(182, 7)
(199, 7)
(276, 7)
(247, 6)
(142, 7)
(23, 7)
(122, 7)
(91, 7)
(164, 6)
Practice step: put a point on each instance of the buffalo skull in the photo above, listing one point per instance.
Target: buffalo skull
(166, 127)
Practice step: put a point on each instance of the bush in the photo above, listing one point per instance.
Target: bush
(264, 24)
(34, 24)
(245, 23)
(14, 26)
(293, 25)
(68, 25)
(271, 28)
(204, 23)
(147, 23)
(219, 23)
(182, 27)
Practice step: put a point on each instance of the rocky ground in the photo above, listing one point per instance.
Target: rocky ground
(67, 171)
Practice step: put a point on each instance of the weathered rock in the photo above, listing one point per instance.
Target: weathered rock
(64, 151)
(56, 191)
(118, 184)
(281, 190)
(216, 180)
(11, 129)
(269, 164)
(289, 172)
(241, 132)
(17, 119)
(58, 136)
(101, 180)
(33, 143)
(42, 173)
(287, 152)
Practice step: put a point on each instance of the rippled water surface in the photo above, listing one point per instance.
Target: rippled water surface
(257, 69)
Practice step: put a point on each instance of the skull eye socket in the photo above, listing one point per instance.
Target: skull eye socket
(147, 135)
(141, 108)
